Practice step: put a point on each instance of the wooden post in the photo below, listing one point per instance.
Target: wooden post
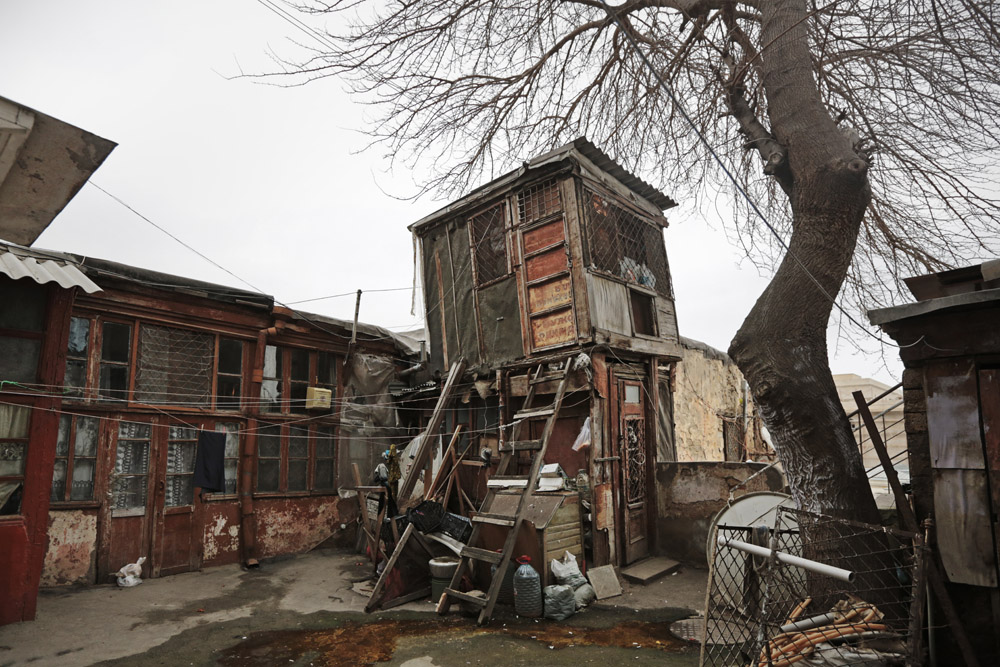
(423, 452)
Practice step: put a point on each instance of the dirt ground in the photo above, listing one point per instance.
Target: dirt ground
(306, 611)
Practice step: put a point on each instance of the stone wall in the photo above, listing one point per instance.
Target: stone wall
(689, 495)
(708, 387)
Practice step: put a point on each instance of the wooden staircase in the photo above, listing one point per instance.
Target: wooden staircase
(522, 484)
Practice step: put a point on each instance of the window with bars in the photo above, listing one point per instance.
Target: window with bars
(489, 244)
(182, 446)
(286, 454)
(174, 366)
(538, 201)
(624, 245)
(131, 474)
(76, 459)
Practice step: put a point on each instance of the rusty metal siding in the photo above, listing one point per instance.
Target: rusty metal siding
(953, 415)
(961, 490)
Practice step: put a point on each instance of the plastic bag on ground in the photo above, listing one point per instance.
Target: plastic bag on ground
(584, 595)
(131, 574)
(567, 572)
(560, 603)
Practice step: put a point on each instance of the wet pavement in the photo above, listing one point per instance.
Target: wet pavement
(305, 611)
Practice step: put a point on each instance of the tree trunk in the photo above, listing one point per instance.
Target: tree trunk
(781, 347)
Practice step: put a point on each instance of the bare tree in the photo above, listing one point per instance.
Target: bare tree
(875, 124)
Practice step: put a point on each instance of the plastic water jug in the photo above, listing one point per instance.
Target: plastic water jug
(527, 590)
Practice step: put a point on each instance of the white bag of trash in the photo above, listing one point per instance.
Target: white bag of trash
(131, 574)
(567, 572)
(559, 602)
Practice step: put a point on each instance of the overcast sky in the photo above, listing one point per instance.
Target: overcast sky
(272, 183)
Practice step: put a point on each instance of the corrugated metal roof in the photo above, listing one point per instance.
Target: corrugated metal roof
(580, 147)
(43, 267)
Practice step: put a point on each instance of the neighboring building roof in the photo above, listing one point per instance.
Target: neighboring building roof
(578, 148)
(967, 286)
(43, 163)
(43, 267)
(706, 349)
(99, 268)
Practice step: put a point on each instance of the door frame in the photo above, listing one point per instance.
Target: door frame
(640, 411)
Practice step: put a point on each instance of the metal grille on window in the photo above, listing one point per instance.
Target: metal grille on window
(635, 454)
(174, 366)
(131, 466)
(180, 466)
(489, 244)
(538, 201)
(625, 245)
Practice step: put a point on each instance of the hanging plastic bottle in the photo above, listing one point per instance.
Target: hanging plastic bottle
(527, 589)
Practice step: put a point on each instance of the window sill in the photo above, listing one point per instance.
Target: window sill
(264, 495)
(75, 505)
(218, 497)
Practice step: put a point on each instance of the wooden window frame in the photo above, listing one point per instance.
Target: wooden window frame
(67, 501)
(284, 459)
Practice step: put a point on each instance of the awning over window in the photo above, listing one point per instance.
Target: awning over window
(46, 267)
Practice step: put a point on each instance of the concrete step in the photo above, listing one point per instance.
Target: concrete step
(649, 569)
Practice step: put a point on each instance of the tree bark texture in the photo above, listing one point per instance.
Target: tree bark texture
(781, 347)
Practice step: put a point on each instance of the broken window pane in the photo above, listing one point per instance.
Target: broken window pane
(174, 366)
(625, 245)
(489, 244)
(230, 356)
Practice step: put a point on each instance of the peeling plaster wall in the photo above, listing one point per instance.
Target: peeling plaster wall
(708, 384)
(71, 557)
(689, 495)
(221, 539)
(296, 525)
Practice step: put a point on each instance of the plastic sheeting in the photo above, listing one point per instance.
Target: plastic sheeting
(369, 420)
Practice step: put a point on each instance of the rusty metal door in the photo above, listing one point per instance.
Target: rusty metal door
(632, 439)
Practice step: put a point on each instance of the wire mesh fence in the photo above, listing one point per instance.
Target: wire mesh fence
(763, 611)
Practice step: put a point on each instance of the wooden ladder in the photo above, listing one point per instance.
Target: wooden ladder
(509, 451)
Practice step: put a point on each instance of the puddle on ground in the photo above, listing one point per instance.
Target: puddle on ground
(366, 644)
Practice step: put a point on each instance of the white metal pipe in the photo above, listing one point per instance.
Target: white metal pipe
(788, 559)
(809, 623)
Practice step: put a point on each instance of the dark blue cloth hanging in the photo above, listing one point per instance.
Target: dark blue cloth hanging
(210, 462)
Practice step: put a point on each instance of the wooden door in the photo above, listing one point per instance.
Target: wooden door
(175, 546)
(632, 452)
(989, 406)
(129, 492)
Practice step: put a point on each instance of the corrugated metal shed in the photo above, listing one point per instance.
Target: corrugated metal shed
(43, 267)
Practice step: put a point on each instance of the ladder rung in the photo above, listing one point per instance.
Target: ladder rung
(494, 519)
(474, 599)
(484, 555)
(531, 413)
(543, 378)
(521, 446)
